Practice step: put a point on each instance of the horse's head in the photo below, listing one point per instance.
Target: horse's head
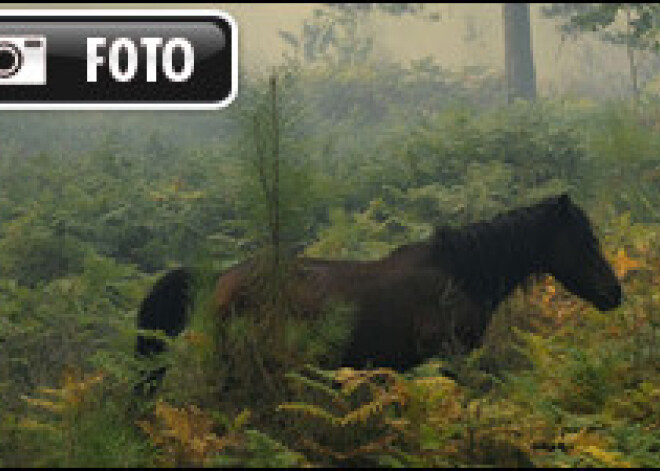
(575, 258)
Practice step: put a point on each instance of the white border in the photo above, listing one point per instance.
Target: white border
(47, 106)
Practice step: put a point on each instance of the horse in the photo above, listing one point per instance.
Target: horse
(427, 298)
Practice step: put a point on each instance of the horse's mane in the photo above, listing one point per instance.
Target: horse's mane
(490, 258)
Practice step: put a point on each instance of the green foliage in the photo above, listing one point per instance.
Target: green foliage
(278, 194)
(37, 251)
(539, 140)
(83, 423)
(260, 451)
(335, 33)
(622, 153)
(602, 17)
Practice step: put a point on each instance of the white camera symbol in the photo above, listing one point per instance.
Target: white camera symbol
(23, 60)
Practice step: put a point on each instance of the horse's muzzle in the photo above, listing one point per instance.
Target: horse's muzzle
(611, 299)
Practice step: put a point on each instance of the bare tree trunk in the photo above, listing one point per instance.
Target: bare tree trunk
(631, 58)
(518, 58)
(276, 177)
(270, 181)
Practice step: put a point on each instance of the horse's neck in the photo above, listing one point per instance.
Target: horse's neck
(490, 264)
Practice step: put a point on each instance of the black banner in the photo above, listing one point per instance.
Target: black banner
(117, 59)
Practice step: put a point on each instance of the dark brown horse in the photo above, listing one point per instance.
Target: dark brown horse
(426, 298)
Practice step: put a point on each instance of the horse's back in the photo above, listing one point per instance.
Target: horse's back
(231, 283)
(405, 308)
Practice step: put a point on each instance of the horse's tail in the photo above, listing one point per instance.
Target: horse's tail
(166, 309)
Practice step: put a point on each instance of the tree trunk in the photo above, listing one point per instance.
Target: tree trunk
(518, 59)
(631, 58)
(276, 170)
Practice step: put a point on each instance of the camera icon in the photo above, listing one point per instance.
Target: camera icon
(23, 60)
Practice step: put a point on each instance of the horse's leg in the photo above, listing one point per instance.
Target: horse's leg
(165, 309)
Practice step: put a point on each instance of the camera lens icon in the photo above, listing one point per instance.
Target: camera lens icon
(11, 60)
(23, 60)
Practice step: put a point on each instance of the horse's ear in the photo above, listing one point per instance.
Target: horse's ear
(564, 201)
(440, 238)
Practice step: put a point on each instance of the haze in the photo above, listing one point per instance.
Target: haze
(563, 66)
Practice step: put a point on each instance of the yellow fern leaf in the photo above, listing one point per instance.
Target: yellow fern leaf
(241, 419)
(610, 459)
(310, 410)
(30, 424)
(185, 434)
(623, 264)
(44, 404)
(51, 392)
(196, 339)
(373, 408)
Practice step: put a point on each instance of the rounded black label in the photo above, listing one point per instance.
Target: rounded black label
(117, 59)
